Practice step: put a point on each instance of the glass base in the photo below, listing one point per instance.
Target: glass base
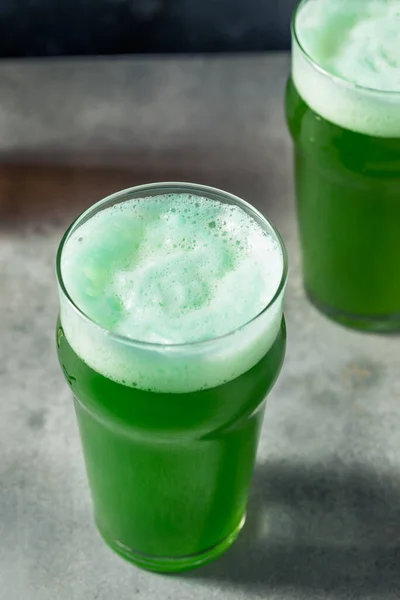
(372, 324)
(163, 564)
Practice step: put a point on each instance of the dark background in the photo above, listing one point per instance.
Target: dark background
(87, 27)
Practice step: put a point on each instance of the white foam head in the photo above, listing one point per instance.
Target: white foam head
(346, 62)
(166, 287)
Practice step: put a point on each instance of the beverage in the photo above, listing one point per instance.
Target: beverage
(170, 336)
(343, 111)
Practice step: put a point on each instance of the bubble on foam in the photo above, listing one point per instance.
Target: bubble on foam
(171, 269)
(357, 41)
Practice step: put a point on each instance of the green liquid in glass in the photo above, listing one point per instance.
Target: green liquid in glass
(348, 202)
(170, 473)
(170, 336)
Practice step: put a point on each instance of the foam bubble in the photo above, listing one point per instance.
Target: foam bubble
(170, 270)
(357, 41)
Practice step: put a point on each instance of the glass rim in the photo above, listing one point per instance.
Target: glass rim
(336, 78)
(168, 187)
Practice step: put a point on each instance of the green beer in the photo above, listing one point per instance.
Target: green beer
(343, 111)
(170, 336)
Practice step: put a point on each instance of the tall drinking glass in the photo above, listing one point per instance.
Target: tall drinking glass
(343, 111)
(170, 337)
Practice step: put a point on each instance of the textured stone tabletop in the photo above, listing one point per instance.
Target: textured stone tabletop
(324, 516)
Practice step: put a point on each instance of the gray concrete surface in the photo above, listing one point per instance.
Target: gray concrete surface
(324, 515)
